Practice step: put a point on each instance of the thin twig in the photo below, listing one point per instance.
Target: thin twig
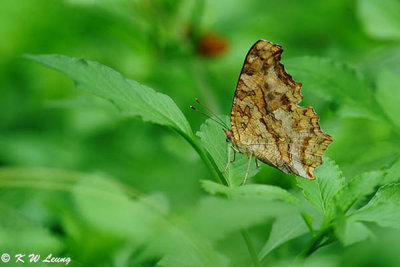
(250, 247)
(206, 159)
(315, 242)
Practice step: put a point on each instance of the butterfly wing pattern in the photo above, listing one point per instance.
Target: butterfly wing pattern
(267, 122)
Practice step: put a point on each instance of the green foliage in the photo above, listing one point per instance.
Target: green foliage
(380, 18)
(18, 233)
(215, 218)
(383, 208)
(388, 90)
(285, 228)
(130, 97)
(250, 191)
(357, 187)
(79, 179)
(337, 82)
(392, 173)
(349, 230)
(321, 191)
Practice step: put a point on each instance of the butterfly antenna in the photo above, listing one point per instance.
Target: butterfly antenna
(215, 115)
(208, 116)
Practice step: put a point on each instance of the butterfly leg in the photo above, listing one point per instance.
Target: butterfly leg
(234, 154)
(257, 165)
(229, 159)
(247, 171)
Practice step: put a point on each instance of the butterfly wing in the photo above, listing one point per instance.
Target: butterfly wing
(266, 121)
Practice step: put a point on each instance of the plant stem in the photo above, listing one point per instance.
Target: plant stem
(315, 241)
(221, 179)
(206, 159)
(308, 222)
(250, 247)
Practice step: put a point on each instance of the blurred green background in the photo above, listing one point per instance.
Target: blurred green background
(186, 49)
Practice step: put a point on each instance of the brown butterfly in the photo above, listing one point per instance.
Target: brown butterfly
(266, 121)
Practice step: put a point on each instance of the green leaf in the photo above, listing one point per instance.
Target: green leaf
(348, 230)
(352, 232)
(96, 199)
(388, 94)
(383, 208)
(380, 18)
(142, 222)
(214, 140)
(320, 192)
(130, 97)
(359, 186)
(110, 211)
(285, 228)
(214, 217)
(392, 173)
(183, 245)
(336, 82)
(19, 234)
(214, 188)
(265, 192)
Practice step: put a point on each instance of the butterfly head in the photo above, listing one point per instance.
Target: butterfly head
(229, 135)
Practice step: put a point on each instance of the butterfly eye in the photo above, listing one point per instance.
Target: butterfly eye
(227, 140)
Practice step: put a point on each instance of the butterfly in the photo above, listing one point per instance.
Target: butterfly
(267, 122)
